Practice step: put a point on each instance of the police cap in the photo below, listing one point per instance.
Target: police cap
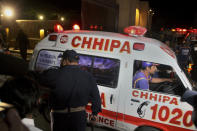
(148, 64)
(70, 54)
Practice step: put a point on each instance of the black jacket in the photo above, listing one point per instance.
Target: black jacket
(11, 65)
(69, 79)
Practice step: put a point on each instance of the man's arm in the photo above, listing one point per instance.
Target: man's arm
(95, 98)
(159, 80)
(12, 122)
(48, 77)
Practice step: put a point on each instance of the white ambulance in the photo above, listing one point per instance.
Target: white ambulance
(113, 59)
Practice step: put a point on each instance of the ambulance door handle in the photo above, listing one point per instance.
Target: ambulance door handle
(111, 98)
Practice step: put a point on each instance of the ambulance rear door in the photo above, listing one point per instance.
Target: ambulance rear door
(105, 70)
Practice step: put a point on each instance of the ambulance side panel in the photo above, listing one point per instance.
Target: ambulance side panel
(156, 109)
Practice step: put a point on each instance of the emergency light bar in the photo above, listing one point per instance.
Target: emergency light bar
(76, 27)
(135, 30)
(58, 28)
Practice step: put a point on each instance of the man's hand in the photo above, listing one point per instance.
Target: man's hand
(12, 122)
(93, 119)
(169, 80)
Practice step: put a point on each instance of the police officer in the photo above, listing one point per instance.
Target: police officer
(72, 89)
(184, 55)
(143, 77)
(23, 42)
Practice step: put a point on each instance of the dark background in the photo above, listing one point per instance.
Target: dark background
(167, 13)
(174, 13)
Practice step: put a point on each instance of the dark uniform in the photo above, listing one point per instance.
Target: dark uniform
(23, 43)
(190, 97)
(72, 89)
(13, 66)
(184, 56)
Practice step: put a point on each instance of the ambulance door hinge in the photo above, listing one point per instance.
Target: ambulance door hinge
(111, 98)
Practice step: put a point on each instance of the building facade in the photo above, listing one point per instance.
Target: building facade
(115, 15)
(103, 15)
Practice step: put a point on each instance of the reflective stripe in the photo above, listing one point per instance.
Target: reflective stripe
(137, 81)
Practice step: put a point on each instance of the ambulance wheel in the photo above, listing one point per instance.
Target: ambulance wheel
(147, 128)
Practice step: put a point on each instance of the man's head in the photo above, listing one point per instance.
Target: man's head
(167, 42)
(191, 98)
(149, 66)
(70, 57)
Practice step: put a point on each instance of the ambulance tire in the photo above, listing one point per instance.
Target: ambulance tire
(147, 128)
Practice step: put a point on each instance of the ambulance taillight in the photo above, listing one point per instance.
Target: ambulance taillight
(76, 27)
(135, 30)
(58, 28)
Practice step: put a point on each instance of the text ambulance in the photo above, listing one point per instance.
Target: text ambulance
(114, 59)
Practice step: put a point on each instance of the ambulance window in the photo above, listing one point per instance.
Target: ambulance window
(47, 59)
(158, 72)
(105, 70)
(85, 62)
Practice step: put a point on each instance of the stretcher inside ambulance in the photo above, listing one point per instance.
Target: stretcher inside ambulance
(114, 59)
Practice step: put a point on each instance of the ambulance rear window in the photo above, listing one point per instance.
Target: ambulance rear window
(105, 70)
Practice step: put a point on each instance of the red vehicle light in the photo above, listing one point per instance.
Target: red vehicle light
(138, 46)
(58, 28)
(76, 27)
(135, 30)
(91, 27)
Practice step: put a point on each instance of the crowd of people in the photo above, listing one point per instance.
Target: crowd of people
(71, 90)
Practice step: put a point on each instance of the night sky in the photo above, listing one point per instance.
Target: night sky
(46, 7)
(174, 13)
(168, 13)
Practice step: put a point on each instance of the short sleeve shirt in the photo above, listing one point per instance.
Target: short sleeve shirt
(140, 81)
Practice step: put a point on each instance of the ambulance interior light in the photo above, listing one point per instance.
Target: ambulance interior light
(58, 28)
(135, 30)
